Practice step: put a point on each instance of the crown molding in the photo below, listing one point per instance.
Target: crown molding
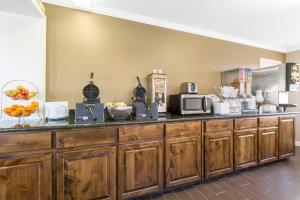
(39, 7)
(167, 24)
(290, 50)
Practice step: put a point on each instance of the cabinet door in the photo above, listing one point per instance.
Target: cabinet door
(87, 174)
(218, 153)
(286, 137)
(27, 177)
(140, 169)
(267, 145)
(183, 160)
(245, 148)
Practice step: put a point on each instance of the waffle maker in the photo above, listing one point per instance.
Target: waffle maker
(91, 110)
(142, 111)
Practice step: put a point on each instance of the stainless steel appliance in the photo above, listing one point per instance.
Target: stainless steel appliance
(276, 79)
(248, 105)
(188, 88)
(185, 104)
(241, 79)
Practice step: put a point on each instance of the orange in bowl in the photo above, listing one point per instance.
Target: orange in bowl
(35, 104)
(8, 110)
(20, 110)
(29, 109)
(14, 107)
(15, 113)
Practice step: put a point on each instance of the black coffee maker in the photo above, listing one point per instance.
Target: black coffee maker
(91, 110)
(142, 111)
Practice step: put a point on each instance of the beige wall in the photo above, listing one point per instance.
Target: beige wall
(293, 57)
(118, 50)
(295, 97)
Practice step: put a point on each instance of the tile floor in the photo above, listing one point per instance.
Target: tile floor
(279, 181)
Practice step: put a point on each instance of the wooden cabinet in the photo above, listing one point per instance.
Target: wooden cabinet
(267, 144)
(21, 142)
(26, 177)
(132, 160)
(218, 153)
(286, 137)
(140, 168)
(245, 123)
(87, 174)
(140, 133)
(183, 153)
(270, 121)
(182, 160)
(218, 125)
(85, 137)
(183, 129)
(245, 148)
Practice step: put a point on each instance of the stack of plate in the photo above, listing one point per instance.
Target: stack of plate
(229, 92)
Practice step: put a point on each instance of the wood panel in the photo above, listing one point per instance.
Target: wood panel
(183, 129)
(268, 121)
(141, 132)
(182, 160)
(218, 153)
(85, 137)
(13, 142)
(267, 145)
(87, 174)
(218, 125)
(286, 137)
(140, 169)
(245, 123)
(27, 177)
(245, 148)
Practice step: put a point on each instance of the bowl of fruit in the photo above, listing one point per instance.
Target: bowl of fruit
(21, 110)
(119, 111)
(20, 93)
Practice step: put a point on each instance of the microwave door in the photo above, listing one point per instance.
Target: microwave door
(192, 105)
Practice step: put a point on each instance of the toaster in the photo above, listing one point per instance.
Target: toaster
(188, 88)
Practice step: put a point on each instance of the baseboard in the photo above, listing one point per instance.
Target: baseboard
(297, 143)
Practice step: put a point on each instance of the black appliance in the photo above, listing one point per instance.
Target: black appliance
(91, 110)
(142, 111)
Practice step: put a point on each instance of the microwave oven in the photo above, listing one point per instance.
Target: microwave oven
(186, 104)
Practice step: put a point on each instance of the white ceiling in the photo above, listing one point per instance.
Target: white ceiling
(22, 7)
(269, 24)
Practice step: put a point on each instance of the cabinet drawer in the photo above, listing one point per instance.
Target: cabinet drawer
(268, 121)
(141, 132)
(13, 142)
(85, 137)
(244, 123)
(218, 125)
(183, 129)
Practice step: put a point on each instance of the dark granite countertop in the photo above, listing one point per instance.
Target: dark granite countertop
(41, 125)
